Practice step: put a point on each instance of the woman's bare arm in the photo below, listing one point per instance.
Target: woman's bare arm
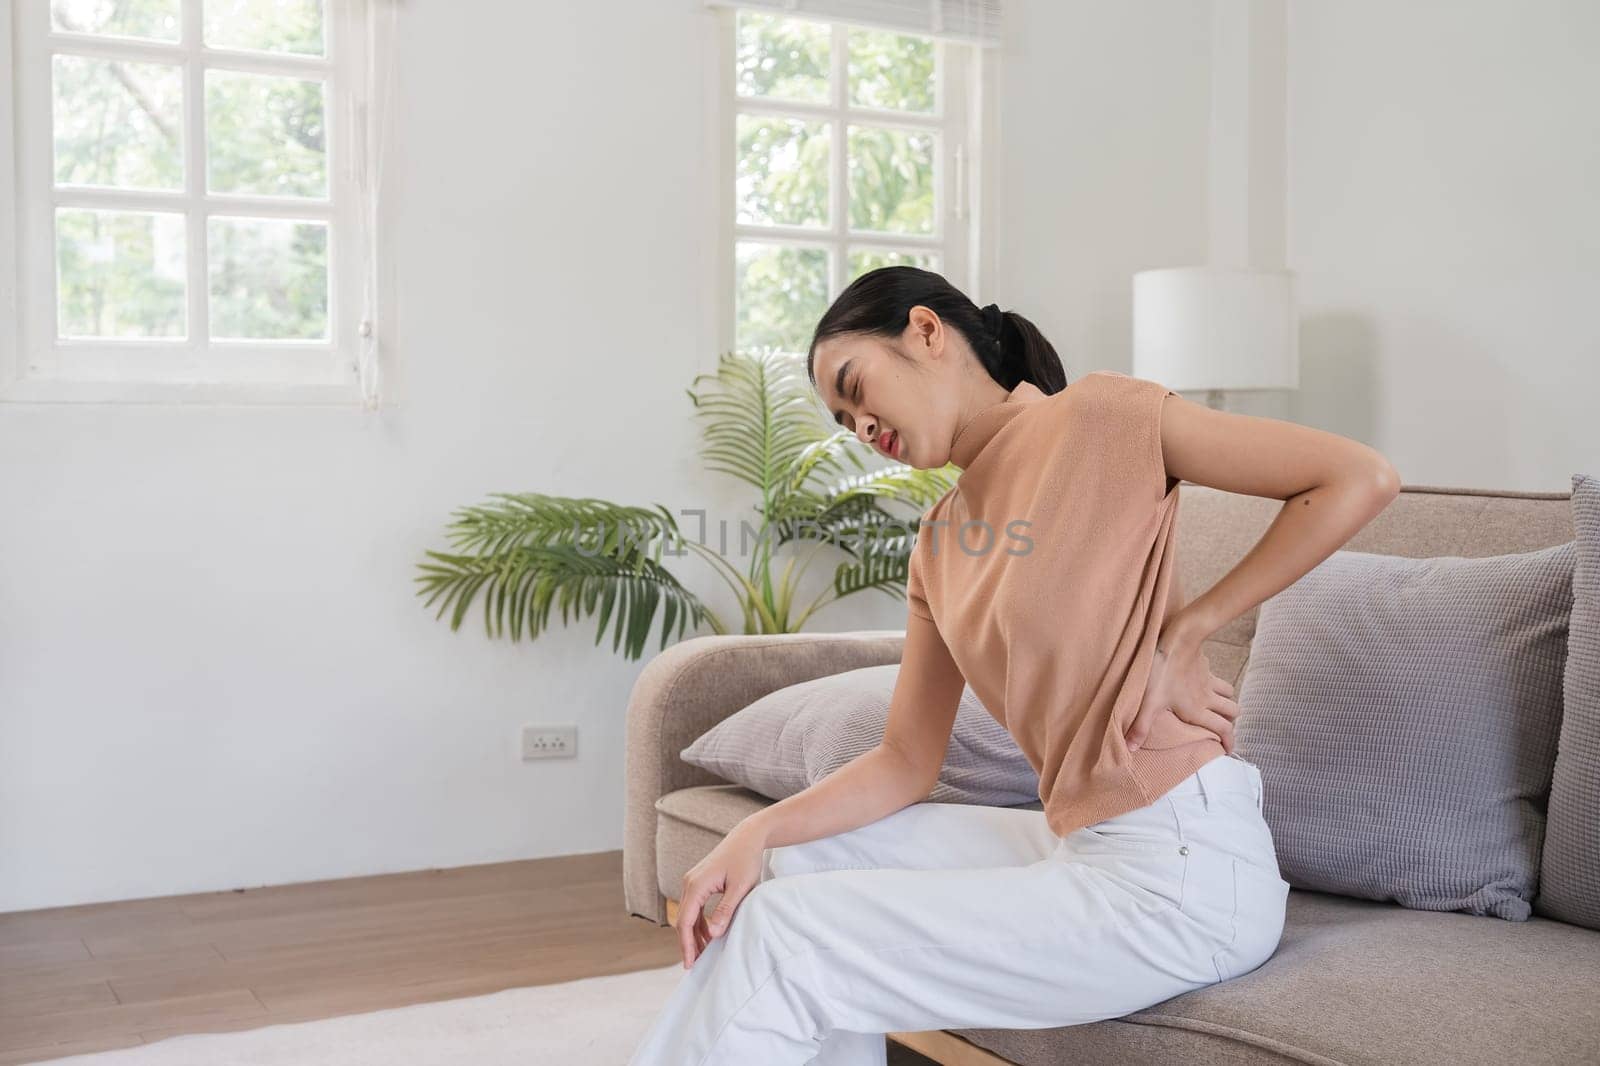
(1331, 486)
(900, 770)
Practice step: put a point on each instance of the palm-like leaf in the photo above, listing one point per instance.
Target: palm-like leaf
(848, 496)
(520, 518)
(527, 551)
(881, 560)
(899, 482)
(760, 419)
(824, 456)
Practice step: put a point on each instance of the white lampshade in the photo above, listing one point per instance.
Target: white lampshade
(1215, 327)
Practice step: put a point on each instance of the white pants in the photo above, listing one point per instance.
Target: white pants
(945, 915)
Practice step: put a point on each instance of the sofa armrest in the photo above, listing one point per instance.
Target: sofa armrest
(690, 687)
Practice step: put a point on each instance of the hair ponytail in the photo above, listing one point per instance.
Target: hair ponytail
(1022, 354)
(879, 303)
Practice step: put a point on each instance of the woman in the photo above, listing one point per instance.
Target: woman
(1046, 579)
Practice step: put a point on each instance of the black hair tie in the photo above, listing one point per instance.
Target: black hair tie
(994, 321)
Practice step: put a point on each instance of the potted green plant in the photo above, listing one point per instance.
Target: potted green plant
(761, 424)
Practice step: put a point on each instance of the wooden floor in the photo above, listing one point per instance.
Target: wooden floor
(91, 978)
(112, 975)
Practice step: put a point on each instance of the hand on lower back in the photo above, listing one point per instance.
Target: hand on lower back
(1182, 697)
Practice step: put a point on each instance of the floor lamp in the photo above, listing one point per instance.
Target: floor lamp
(1216, 329)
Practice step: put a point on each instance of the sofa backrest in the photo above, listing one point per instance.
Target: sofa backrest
(1216, 529)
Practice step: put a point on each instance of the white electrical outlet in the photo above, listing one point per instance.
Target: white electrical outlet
(549, 742)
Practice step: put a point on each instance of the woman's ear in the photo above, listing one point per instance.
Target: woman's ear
(924, 329)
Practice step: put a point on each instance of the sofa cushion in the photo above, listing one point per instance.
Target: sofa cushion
(1355, 981)
(795, 736)
(690, 822)
(1569, 886)
(1404, 714)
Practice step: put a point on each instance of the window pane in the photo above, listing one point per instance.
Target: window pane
(265, 135)
(782, 171)
(119, 273)
(783, 57)
(269, 278)
(891, 180)
(155, 19)
(864, 260)
(265, 25)
(891, 70)
(117, 123)
(781, 294)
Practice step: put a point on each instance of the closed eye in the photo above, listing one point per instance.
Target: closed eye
(854, 393)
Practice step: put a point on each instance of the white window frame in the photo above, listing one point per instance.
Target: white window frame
(37, 365)
(956, 124)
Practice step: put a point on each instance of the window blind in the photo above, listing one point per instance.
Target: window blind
(972, 21)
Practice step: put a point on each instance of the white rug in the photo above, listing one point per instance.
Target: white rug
(596, 1021)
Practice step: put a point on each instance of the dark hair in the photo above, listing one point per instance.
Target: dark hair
(879, 303)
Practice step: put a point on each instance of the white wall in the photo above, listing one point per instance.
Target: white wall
(1443, 160)
(1439, 170)
(213, 669)
(1103, 118)
(213, 672)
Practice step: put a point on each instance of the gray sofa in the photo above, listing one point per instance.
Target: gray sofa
(1354, 981)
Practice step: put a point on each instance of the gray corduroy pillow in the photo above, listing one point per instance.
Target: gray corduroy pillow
(1404, 714)
(795, 736)
(1569, 885)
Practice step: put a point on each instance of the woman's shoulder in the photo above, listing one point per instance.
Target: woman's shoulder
(1103, 399)
(1099, 384)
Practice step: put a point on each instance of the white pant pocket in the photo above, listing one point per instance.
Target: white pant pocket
(1260, 899)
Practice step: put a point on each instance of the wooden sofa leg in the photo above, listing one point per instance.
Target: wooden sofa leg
(947, 1049)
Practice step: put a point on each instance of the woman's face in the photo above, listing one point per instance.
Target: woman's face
(907, 406)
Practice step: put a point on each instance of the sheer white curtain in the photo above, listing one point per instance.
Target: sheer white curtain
(972, 21)
(369, 108)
